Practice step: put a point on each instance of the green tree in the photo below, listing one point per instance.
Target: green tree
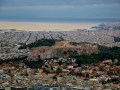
(59, 70)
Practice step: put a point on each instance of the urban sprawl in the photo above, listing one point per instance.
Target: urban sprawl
(53, 67)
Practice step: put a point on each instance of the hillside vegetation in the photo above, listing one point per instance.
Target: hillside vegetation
(104, 54)
(38, 43)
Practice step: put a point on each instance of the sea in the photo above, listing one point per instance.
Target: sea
(63, 19)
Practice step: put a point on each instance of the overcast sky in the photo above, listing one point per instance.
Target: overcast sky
(35, 9)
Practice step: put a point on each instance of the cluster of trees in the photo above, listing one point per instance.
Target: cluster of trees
(86, 59)
(117, 39)
(105, 53)
(34, 64)
(59, 70)
(38, 43)
(109, 52)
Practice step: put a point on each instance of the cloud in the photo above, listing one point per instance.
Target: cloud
(21, 9)
(56, 2)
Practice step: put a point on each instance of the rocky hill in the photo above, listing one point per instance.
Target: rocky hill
(61, 49)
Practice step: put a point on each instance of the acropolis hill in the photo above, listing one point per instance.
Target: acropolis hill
(62, 49)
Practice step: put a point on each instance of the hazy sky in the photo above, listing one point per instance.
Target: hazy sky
(35, 9)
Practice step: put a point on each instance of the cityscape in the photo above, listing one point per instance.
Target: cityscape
(50, 66)
(59, 45)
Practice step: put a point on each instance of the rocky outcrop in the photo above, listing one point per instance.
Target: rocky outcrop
(61, 49)
(12, 56)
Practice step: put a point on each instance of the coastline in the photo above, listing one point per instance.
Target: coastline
(46, 26)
